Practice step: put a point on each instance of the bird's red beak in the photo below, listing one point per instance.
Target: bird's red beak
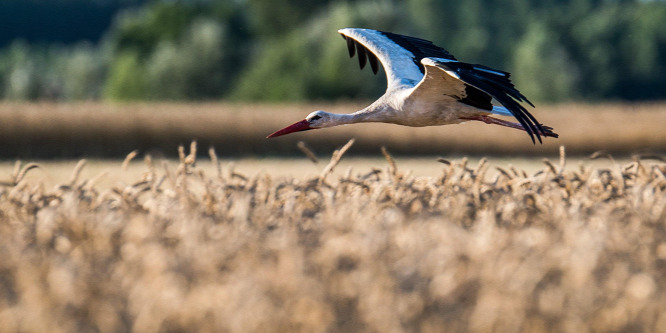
(302, 125)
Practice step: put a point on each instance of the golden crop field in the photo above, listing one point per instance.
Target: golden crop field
(56, 130)
(201, 245)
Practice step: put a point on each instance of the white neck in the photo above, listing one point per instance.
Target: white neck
(372, 113)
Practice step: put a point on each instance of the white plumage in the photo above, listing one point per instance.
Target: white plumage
(427, 86)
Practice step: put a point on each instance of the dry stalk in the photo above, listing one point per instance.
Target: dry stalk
(156, 185)
(168, 174)
(348, 173)
(215, 161)
(240, 176)
(77, 172)
(393, 169)
(186, 161)
(191, 159)
(504, 172)
(152, 173)
(514, 171)
(231, 169)
(480, 167)
(373, 172)
(335, 159)
(17, 169)
(550, 165)
(94, 181)
(601, 154)
(478, 174)
(128, 159)
(443, 160)
(563, 160)
(463, 164)
(23, 172)
(181, 154)
(307, 151)
(649, 157)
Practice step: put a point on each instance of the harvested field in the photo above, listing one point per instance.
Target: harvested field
(111, 130)
(473, 247)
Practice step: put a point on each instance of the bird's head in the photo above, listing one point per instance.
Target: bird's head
(314, 120)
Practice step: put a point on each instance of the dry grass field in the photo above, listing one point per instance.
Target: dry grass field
(205, 246)
(52, 130)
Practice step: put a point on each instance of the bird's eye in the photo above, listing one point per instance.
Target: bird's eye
(315, 117)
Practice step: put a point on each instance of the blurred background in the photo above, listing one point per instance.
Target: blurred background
(96, 53)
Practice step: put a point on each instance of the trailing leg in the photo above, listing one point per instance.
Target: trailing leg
(490, 120)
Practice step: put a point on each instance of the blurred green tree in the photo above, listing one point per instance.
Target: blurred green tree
(82, 72)
(289, 49)
(183, 48)
(191, 68)
(269, 18)
(21, 80)
(312, 62)
(127, 78)
(536, 55)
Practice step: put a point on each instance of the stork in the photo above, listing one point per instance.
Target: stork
(427, 86)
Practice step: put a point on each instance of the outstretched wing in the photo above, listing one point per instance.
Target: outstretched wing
(400, 55)
(477, 85)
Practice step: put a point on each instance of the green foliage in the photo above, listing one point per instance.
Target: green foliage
(536, 55)
(289, 49)
(28, 72)
(274, 17)
(127, 78)
(312, 63)
(192, 68)
(142, 31)
(180, 50)
(83, 71)
(19, 72)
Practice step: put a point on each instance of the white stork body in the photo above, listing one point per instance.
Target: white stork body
(426, 86)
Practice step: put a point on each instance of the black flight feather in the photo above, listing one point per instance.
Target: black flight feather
(372, 59)
(499, 87)
(350, 46)
(361, 55)
(420, 48)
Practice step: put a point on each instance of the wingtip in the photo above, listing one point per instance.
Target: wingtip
(545, 132)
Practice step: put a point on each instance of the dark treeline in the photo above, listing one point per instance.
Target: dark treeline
(39, 21)
(288, 50)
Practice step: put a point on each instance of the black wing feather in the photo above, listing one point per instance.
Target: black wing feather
(372, 59)
(502, 79)
(498, 85)
(350, 46)
(477, 98)
(360, 49)
(420, 48)
(532, 127)
(363, 54)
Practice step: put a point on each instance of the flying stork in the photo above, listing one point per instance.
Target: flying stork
(427, 86)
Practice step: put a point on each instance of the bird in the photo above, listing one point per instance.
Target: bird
(427, 86)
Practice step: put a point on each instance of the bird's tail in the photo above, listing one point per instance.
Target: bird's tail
(548, 131)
